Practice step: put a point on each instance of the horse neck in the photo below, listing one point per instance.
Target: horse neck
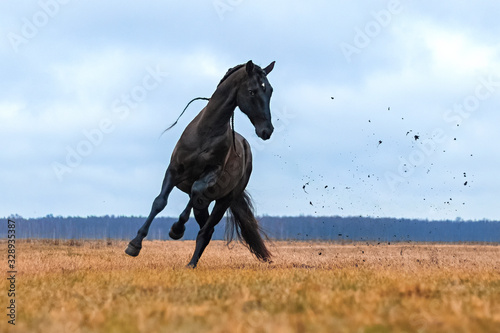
(220, 108)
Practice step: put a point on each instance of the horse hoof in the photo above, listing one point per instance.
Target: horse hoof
(191, 265)
(132, 250)
(174, 234)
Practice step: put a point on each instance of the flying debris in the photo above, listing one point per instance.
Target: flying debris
(304, 187)
(417, 137)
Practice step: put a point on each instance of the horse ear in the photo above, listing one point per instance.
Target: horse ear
(269, 68)
(249, 67)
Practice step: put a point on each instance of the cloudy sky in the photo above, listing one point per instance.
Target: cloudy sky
(381, 108)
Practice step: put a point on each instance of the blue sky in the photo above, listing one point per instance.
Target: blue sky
(381, 108)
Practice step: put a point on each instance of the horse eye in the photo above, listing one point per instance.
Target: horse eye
(251, 92)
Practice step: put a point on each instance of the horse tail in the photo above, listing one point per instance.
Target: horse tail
(242, 222)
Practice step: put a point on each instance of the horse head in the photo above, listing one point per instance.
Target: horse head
(254, 96)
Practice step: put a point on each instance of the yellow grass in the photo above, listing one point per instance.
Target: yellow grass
(93, 286)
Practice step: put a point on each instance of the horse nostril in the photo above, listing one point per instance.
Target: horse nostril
(266, 134)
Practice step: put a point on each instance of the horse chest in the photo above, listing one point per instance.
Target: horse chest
(213, 170)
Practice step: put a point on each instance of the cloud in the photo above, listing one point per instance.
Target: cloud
(82, 83)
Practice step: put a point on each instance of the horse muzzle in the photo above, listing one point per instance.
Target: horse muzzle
(264, 132)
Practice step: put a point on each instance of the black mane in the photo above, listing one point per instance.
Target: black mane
(235, 68)
(229, 72)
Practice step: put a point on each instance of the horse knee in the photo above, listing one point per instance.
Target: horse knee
(159, 204)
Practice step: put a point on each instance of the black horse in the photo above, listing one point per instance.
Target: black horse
(212, 162)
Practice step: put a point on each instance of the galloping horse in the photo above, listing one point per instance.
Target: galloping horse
(211, 162)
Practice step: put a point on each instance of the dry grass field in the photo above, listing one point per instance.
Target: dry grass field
(93, 286)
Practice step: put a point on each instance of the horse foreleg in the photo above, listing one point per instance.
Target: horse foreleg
(205, 233)
(135, 245)
(178, 228)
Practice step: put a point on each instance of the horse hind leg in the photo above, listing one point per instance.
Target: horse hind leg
(201, 195)
(201, 216)
(135, 245)
(178, 228)
(206, 232)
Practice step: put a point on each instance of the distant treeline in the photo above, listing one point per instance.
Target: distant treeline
(279, 228)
